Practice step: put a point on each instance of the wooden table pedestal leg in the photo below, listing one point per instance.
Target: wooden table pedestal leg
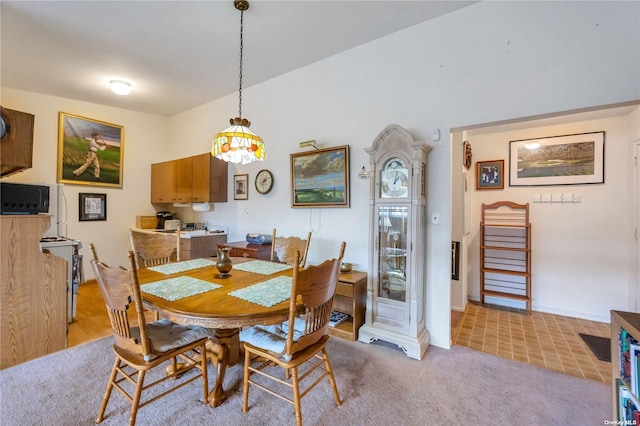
(223, 350)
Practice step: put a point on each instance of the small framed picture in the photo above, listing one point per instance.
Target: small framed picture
(92, 207)
(490, 174)
(240, 187)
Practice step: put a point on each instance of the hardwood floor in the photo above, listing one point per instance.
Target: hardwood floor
(92, 321)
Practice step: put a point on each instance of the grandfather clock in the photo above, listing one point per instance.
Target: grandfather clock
(396, 286)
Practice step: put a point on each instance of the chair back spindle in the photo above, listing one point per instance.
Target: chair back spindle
(94, 252)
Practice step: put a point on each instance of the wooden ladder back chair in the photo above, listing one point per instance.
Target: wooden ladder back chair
(283, 249)
(304, 343)
(94, 252)
(143, 347)
(153, 249)
(154, 314)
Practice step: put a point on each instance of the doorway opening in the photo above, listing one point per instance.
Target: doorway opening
(558, 265)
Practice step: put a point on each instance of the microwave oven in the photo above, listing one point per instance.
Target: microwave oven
(19, 198)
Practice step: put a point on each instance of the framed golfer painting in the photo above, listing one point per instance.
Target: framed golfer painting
(90, 152)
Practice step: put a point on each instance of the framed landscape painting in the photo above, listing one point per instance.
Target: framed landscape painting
(90, 152)
(557, 160)
(320, 178)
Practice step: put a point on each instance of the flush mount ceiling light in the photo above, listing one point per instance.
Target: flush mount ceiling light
(120, 87)
(238, 144)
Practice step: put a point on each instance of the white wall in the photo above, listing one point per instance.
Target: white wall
(488, 62)
(580, 252)
(144, 136)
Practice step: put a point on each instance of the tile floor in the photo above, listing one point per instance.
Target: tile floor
(546, 340)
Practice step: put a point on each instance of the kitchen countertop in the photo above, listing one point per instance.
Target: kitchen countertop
(186, 234)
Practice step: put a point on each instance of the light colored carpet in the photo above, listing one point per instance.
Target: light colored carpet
(378, 384)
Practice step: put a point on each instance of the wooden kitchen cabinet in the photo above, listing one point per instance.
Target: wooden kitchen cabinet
(198, 179)
(350, 299)
(171, 181)
(201, 246)
(245, 249)
(213, 189)
(162, 182)
(33, 292)
(16, 150)
(184, 180)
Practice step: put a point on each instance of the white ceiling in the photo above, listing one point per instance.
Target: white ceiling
(181, 54)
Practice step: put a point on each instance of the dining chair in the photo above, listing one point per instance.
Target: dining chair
(94, 252)
(141, 348)
(153, 248)
(283, 249)
(281, 349)
(152, 315)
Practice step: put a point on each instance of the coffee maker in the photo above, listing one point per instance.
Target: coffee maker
(161, 217)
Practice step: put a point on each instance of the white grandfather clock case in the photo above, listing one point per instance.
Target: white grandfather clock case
(396, 284)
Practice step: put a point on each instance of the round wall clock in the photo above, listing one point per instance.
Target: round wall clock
(264, 181)
(394, 179)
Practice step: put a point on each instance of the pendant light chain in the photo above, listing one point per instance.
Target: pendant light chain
(241, 51)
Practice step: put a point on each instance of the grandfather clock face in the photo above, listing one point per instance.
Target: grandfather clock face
(394, 179)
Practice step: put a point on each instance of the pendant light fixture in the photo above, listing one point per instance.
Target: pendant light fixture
(238, 144)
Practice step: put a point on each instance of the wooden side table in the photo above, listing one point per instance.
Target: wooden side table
(245, 249)
(350, 298)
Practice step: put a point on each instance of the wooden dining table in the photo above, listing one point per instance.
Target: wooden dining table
(217, 310)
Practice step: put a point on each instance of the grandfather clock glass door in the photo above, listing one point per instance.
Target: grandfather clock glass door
(392, 263)
(396, 284)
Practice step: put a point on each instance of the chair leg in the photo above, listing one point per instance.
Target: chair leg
(332, 379)
(296, 395)
(203, 371)
(107, 392)
(135, 402)
(245, 391)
